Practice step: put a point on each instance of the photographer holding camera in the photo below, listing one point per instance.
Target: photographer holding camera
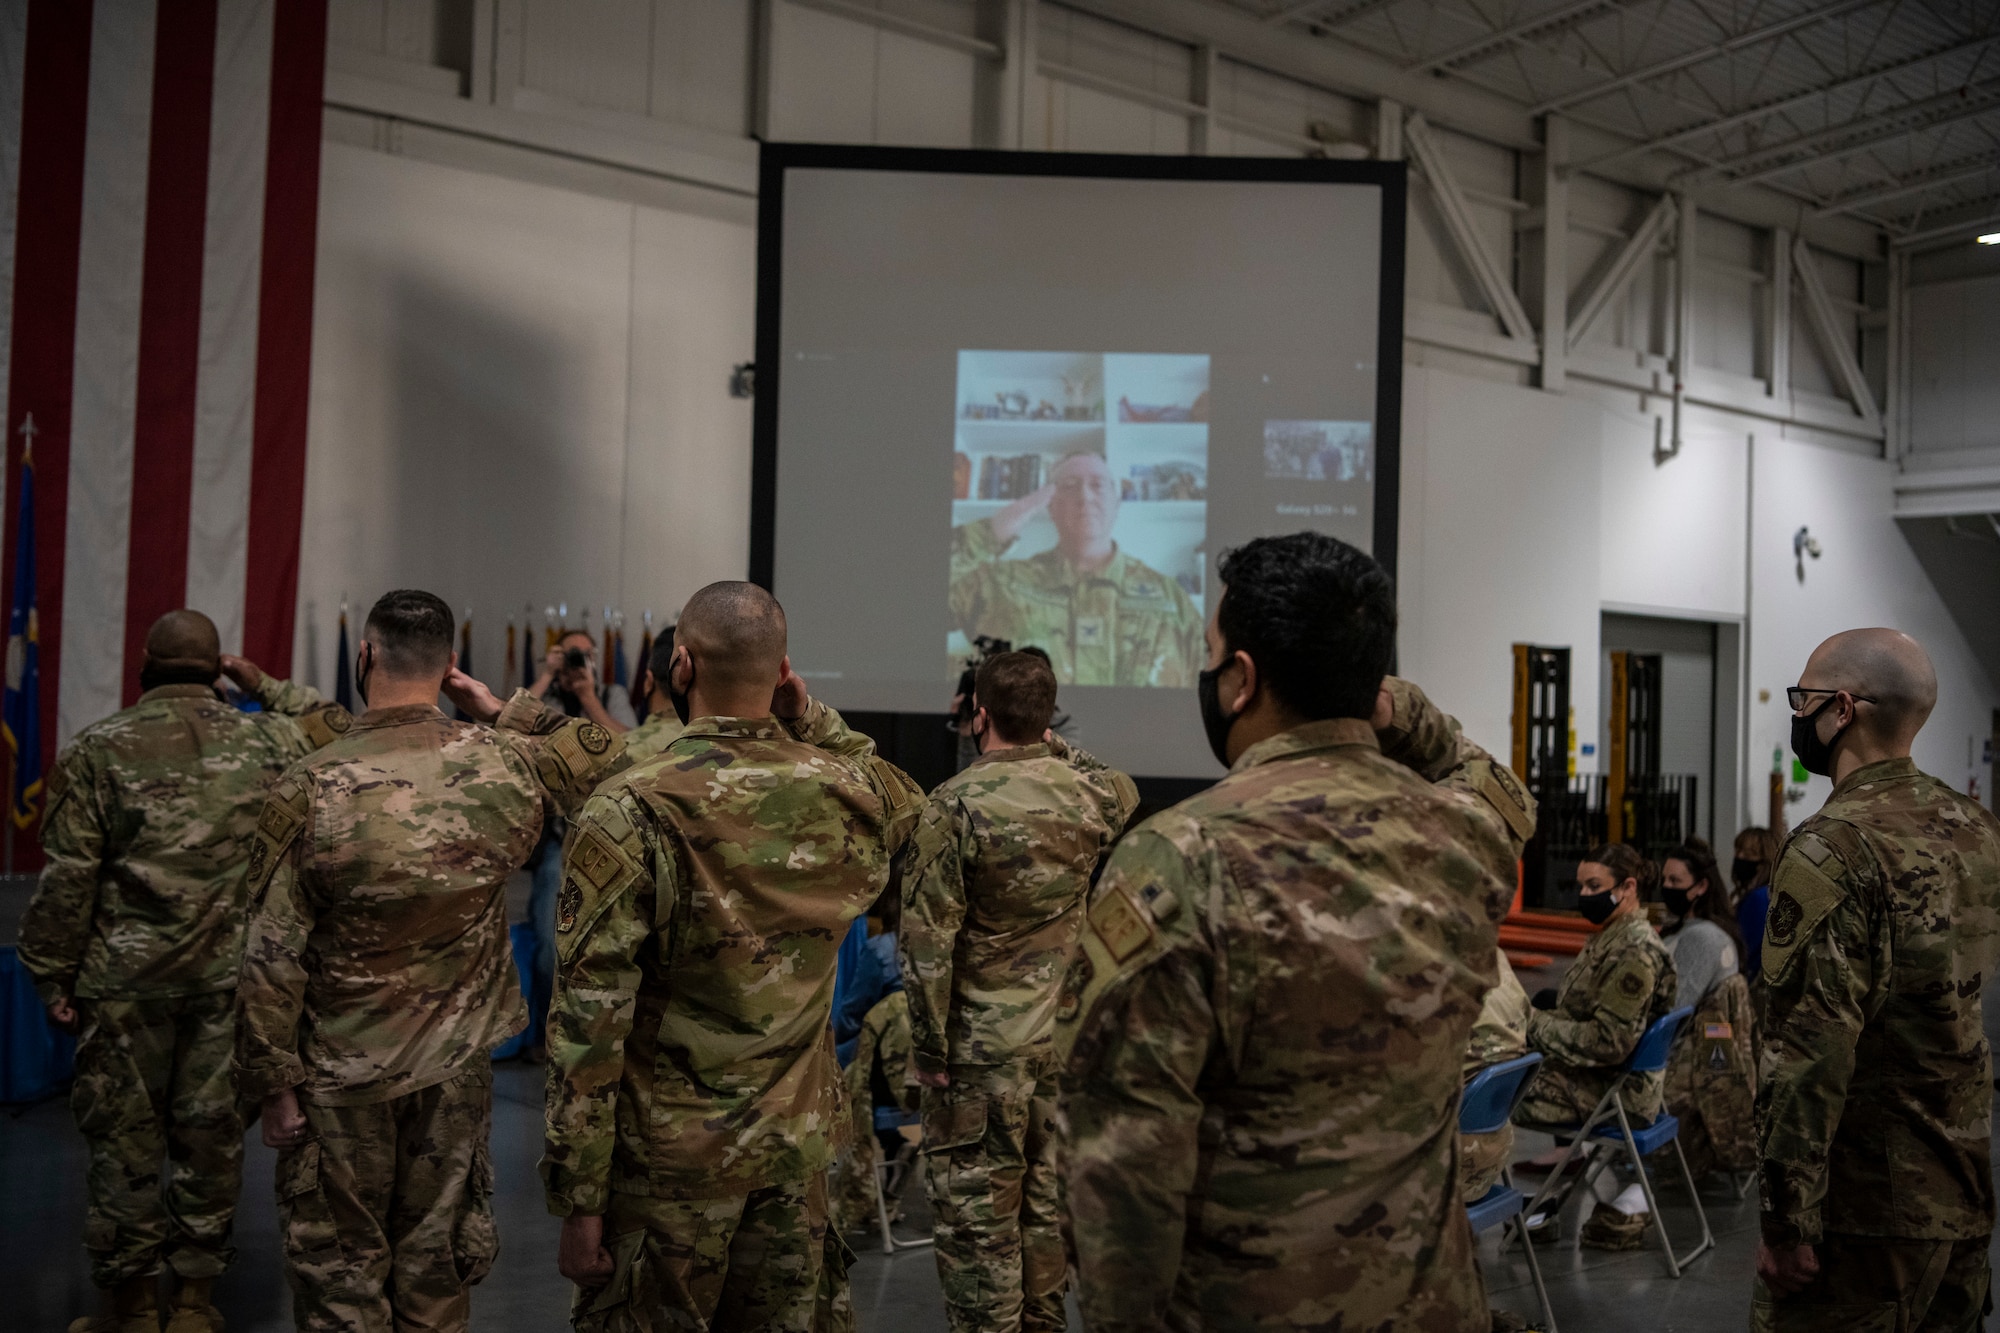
(570, 682)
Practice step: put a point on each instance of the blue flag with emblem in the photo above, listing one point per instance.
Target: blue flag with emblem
(23, 707)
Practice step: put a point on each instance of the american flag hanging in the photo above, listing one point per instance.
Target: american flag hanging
(159, 187)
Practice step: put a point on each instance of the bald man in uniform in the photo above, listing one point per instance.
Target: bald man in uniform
(1104, 617)
(694, 1103)
(132, 939)
(1875, 1095)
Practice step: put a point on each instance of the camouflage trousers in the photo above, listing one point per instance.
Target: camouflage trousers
(156, 1104)
(1562, 1096)
(1481, 1159)
(1711, 1083)
(1878, 1284)
(764, 1261)
(991, 1173)
(387, 1209)
(881, 1062)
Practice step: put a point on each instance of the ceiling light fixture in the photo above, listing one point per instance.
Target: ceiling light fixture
(1990, 238)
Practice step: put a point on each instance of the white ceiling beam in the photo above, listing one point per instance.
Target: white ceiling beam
(1659, 224)
(1492, 42)
(1973, 100)
(1908, 186)
(1765, 110)
(1310, 10)
(1753, 37)
(1493, 280)
(1833, 339)
(1455, 103)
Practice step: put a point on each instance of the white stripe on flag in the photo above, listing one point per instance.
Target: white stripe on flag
(13, 53)
(109, 274)
(225, 393)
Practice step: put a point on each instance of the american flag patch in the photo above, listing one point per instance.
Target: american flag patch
(1716, 1031)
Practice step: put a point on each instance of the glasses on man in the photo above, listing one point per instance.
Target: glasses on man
(1797, 695)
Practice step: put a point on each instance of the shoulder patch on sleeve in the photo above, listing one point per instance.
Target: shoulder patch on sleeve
(1499, 788)
(284, 815)
(324, 726)
(1119, 923)
(57, 787)
(1627, 989)
(1809, 883)
(576, 757)
(599, 864)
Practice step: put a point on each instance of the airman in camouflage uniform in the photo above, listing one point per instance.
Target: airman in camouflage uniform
(1499, 1034)
(1711, 1081)
(378, 977)
(1619, 984)
(135, 932)
(1875, 1097)
(1105, 617)
(993, 898)
(881, 1073)
(1263, 1035)
(694, 1102)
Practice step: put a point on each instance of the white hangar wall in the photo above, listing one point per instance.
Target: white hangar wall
(537, 268)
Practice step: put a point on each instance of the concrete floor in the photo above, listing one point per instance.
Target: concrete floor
(44, 1279)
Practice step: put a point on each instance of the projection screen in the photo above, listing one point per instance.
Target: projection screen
(1034, 398)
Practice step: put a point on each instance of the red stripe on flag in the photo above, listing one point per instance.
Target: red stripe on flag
(169, 324)
(48, 228)
(284, 333)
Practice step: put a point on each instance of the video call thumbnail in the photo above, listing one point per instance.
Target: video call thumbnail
(1079, 512)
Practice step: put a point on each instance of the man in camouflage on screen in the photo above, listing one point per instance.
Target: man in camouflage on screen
(1105, 617)
(1874, 1102)
(993, 891)
(377, 976)
(1264, 1032)
(133, 936)
(694, 1102)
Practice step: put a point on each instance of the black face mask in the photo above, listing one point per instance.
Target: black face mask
(1676, 900)
(153, 677)
(364, 667)
(1743, 870)
(1597, 907)
(679, 698)
(1814, 753)
(1213, 720)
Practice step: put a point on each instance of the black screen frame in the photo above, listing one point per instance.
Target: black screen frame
(779, 158)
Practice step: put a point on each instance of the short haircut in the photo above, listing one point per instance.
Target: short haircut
(589, 639)
(1316, 615)
(1018, 691)
(736, 633)
(412, 632)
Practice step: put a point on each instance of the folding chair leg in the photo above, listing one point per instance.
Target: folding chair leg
(882, 1208)
(1742, 1186)
(889, 1242)
(1534, 1269)
(1674, 1261)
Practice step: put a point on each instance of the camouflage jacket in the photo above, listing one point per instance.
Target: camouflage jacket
(1264, 1029)
(652, 737)
(705, 894)
(1622, 981)
(378, 961)
(1127, 624)
(1500, 1033)
(147, 828)
(993, 887)
(1875, 1095)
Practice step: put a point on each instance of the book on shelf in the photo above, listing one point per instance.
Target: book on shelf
(1004, 477)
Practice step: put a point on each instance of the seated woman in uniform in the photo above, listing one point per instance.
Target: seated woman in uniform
(1711, 1079)
(1587, 1028)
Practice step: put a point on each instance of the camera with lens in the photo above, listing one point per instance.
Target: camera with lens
(575, 659)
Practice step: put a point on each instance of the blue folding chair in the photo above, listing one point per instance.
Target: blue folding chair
(1485, 1107)
(1648, 1057)
(892, 1117)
